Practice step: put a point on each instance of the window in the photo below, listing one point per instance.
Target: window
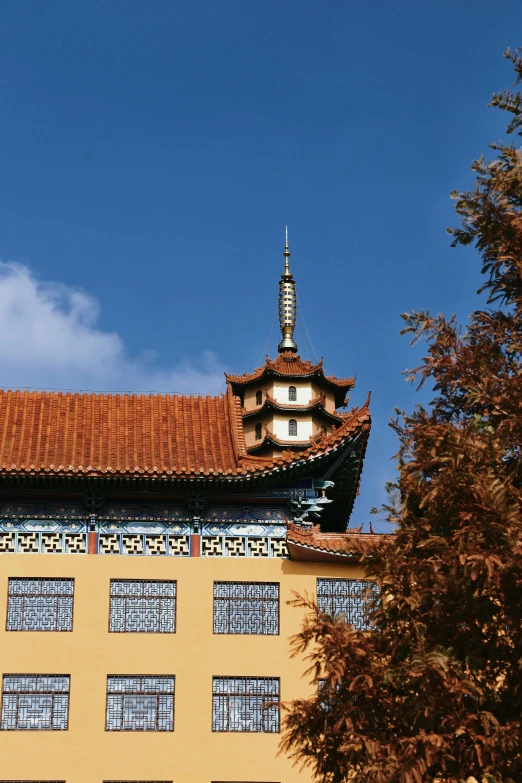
(246, 607)
(259, 397)
(40, 604)
(140, 703)
(35, 701)
(292, 427)
(139, 606)
(323, 695)
(348, 597)
(292, 393)
(259, 434)
(245, 704)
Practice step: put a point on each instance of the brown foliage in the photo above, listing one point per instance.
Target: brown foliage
(434, 693)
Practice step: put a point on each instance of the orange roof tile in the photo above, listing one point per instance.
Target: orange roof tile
(345, 545)
(115, 434)
(132, 435)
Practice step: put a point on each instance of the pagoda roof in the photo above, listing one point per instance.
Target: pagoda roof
(65, 433)
(270, 402)
(289, 365)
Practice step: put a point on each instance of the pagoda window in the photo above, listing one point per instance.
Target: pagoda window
(292, 393)
(292, 427)
(259, 397)
(259, 433)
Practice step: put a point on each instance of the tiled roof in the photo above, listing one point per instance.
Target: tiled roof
(309, 543)
(139, 435)
(123, 434)
(290, 365)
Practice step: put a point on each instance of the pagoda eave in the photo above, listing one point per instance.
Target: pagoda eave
(316, 405)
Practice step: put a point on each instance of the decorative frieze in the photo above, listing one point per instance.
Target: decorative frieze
(144, 544)
(38, 542)
(243, 546)
(226, 532)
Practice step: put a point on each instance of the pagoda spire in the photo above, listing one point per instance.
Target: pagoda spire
(287, 305)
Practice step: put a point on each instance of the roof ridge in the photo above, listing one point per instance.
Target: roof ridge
(60, 393)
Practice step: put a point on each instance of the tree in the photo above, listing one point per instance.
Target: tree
(433, 693)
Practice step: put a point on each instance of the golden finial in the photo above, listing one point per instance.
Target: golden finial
(287, 304)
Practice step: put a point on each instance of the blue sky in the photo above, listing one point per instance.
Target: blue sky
(153, 152)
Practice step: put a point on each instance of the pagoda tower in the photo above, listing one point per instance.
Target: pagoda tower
(289, 403)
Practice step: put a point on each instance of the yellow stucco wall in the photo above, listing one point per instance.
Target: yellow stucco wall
(86, 753)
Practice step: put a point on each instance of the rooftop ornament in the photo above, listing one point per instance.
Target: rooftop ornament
(287, 305)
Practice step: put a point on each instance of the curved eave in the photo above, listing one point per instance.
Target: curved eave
(346, 477)
(272, 442)
(310, 554)
(339, 386)
(316, 405)
(312, 547)
(254, 470)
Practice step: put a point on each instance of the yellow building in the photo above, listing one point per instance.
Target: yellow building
(149, 545)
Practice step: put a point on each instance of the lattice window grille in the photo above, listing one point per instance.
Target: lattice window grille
(35, 702)
(40, 604)
(140, 703)
(292, 393)
(348, 598)
(243, 546)
(292, 427)
(140, 606)
(246, 608)
(246, 704)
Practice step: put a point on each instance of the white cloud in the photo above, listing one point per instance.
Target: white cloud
(49, 338)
